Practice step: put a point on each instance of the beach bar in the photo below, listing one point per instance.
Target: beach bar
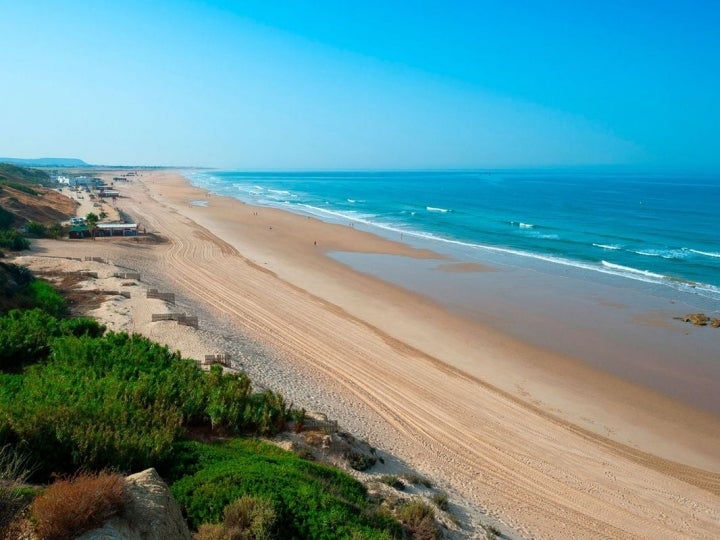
(117, 229)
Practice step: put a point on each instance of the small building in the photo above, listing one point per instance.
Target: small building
(79, 231)
(117, 229)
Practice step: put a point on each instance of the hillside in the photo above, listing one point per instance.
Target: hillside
(23, 193)
(13, 173)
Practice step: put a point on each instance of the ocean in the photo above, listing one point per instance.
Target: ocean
(651, 228)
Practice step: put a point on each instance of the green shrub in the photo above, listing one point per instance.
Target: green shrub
(25, 337)
(117, 400)
(35, 229)
(441, 501)
(393, 481)
(13, 240)
(45, 297)
(418, 520)
(250, 518)
(55, 231)
(7, 218)
(82, 326)
(310, 500)
(416, 479)
(21, 187)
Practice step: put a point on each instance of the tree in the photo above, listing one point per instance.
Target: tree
(92, 220)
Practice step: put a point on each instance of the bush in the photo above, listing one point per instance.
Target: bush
(68, 508)
(7, 218)
(113, 401)
(47, 298)
(82, 326)
(25, 337)
(418, 520)
(310, 500)
(393, 481)
(210, 531)
(13, 472)
(441, 501)
(418, 480)
(22, 187)
(13, 240)
(250, 518)
(35, 229)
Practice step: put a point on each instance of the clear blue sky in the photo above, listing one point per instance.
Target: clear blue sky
(362, 85)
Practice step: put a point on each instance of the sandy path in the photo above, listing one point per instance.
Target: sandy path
(508, 454)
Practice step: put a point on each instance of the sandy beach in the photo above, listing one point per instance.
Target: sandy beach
(542, 444)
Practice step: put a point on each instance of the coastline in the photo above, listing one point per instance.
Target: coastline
(537, 440)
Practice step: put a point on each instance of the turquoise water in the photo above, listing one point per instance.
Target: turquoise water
(662, 229)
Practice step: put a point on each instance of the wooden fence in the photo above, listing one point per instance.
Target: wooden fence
(168, 297)
(181, 318)
(127, 275)
(222, 359)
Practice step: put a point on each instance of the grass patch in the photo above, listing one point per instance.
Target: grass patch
(418, 520)
(416, 480)
(393, 481)
(441, 501)
(14, 497)
(310, 500)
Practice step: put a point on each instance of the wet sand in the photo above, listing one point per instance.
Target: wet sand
(542, 442)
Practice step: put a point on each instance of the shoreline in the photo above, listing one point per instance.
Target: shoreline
(531, 438)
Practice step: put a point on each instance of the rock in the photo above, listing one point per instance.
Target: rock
(715, 323)
(151, 514)
(698, 319)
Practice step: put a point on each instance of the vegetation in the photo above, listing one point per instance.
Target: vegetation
(73, 397)
(20, 289)
(113, 401)
(441, 501)
(91, 220)
(310, 500)
(418, 520)
(13, 473)
(393, 481)
(247, 518)
(13, 174)
(13, 240)
(21, 187)
(6, 218)
(70, 507)
(39, 218)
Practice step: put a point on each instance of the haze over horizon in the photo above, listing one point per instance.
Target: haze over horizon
(378, 85)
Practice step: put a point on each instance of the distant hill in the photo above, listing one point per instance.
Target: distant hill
(46, 162)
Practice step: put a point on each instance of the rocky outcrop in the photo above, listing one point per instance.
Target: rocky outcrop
(151, 513)
(700, 319)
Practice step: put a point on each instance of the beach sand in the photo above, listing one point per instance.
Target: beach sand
(541, 444)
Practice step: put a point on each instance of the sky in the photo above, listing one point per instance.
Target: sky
(299, 85)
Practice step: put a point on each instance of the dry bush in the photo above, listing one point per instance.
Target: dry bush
(418, 520)
(13, 472)
(250, 518)
(210, 531)
(72, 506)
